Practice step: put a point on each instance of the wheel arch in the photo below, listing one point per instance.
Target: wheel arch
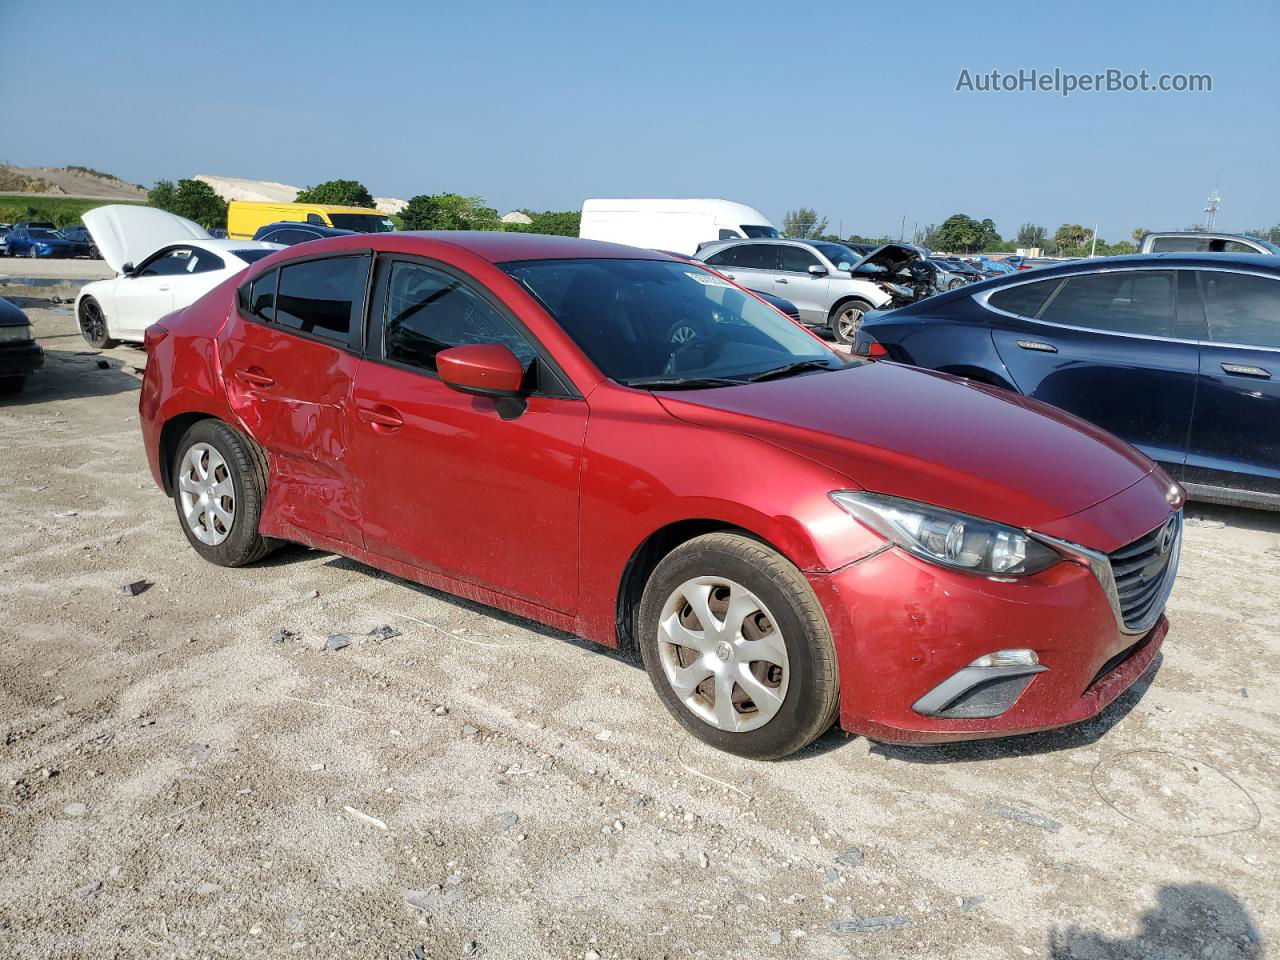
(844, 301)
(650, 552)
(173, 430)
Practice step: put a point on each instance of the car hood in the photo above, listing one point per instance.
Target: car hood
(891, 257)
(929, 437)
(128, 233)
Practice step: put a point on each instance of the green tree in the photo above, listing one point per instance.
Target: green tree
(560, 223)
(1138, 233)
(1031, 235)
(1072, 239)
(193, 199)
(960, 233)
(449, 211)
(339, 193)
(803, 224)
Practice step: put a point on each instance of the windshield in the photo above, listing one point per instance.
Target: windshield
(251, 256)
(363, 222)
(663, 324)
(755, 232)
(838, 254)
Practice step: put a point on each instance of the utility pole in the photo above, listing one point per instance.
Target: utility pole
(1211, 210)
(902, 232)
(1093, 247)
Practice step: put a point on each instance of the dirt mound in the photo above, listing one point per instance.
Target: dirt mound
(68, 181)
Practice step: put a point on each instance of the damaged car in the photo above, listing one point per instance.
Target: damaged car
(505, 417)
(832, 285)
(163, 262)
(20, 355)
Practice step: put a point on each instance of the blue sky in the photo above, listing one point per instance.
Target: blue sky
(848, 108)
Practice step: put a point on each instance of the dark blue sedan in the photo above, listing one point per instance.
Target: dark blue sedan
(1179, 354)
(25, 241)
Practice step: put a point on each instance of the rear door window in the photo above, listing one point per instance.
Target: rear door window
(1024, 299)
(324, 298)
(1124, 301)
(1241, 308)
(262, 296)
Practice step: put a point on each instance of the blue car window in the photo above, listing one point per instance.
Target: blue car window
(1122, 301)
(1024, 299)
(1241, 308)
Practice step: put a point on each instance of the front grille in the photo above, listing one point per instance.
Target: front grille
(1141, 571)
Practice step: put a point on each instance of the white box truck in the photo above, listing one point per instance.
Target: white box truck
(677, 225)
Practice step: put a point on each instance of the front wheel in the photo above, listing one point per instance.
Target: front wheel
(846, 320)
(955, 284)
(93, 325)
(737, 647)
(219, 482)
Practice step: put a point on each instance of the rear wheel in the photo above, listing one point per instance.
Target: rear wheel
(219, 484)
(846, 320)
(737, 647)
(93, 325)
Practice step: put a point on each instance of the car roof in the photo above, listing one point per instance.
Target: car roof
(502, 247)
(319, 227)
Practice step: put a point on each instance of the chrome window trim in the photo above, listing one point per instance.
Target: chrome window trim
(982, 299)
(1099, 564)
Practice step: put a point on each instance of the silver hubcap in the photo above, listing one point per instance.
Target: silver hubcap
(207, 494)
(849, 321)
(723, 654)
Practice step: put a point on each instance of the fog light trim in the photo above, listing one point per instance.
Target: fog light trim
(948, 699)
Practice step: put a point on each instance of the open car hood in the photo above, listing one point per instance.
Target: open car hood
(891, 257)
(128, 233)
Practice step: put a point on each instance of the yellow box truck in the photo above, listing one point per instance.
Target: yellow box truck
(245, 217)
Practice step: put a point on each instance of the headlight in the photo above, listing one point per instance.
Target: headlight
(15, 334)
(949, 539)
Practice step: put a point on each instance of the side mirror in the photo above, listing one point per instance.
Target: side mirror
(817, 270)
(127, 270)
(484, 369)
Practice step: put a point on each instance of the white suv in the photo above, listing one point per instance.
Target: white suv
(812, 274)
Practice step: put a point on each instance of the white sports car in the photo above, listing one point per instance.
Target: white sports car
(163, 262)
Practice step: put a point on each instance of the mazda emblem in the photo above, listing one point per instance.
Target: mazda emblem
(1167, 535)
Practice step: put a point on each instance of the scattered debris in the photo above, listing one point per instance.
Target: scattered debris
(1023, 816)
(605, 735)
(850, 858)
(207, 888)
(384, 632)
(471, 948)
(968, 903)
(89, 890)
(703, 861)
(135, 588)
(591, 955)
(432, 899)
(418, 953)
(372, 821)
(337, 641)
(871, 924)
(317, 767)
(1204, 522)
(190, 808)
(830, 875)
(200, 753)
(282, 635)
(508, 820)
(775, 938)
(469, 731)
(74, 809)
(441, 710)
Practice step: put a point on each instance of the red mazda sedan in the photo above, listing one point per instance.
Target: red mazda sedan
(630, 448)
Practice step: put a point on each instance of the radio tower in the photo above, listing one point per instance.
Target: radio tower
(1211, 210)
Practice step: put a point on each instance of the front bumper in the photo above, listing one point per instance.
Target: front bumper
(904, 628)
(20, 359)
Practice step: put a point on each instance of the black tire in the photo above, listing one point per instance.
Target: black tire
(10, 385)
(93, 324)
(247, 467)
(809, 707)
(846, 320)
(31, 252)
(955, 284)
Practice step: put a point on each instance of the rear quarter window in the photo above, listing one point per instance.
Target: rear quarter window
(324, 298)
(1024, 299)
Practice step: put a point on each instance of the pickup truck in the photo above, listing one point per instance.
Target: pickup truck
(1187, 242)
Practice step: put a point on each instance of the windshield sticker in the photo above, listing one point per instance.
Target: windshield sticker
(708, 280)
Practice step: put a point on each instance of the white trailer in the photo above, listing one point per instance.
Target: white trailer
(678, 225)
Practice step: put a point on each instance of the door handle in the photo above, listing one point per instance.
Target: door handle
(731, 276)
(381, 415)
(1245, 370)
(164, 286)
(783, 280)
(1038, 345)
(254, 377)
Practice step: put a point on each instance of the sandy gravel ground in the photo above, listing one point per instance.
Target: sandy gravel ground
(180, 779)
